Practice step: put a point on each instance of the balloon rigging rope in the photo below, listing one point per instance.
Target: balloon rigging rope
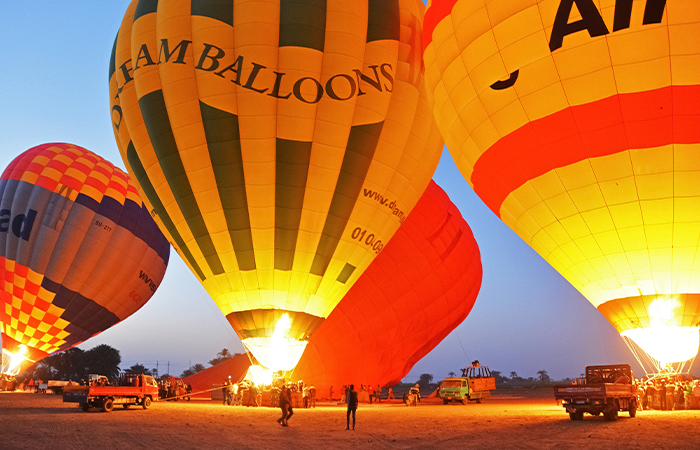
(651, 365)
(217, 312)
(460, 344)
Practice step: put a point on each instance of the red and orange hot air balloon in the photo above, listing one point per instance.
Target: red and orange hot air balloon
(280, 145)
(420, 288)
(79, 251)
(576, 121)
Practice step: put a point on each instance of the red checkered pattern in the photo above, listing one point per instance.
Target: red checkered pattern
(56, 164)
(23, 309)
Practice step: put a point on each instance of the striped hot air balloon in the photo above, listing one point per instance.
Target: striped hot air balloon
(79, 250)
(280, 143)
(576, 121)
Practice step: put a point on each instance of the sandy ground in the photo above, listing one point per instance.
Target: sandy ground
(36, 421)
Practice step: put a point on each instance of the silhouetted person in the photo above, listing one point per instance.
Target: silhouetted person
(351, 399)
(285, 400)
(662, 396)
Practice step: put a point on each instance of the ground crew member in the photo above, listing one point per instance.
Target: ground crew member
(351, 399)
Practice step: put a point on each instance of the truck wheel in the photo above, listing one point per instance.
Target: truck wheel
(611, 416)
(578, 415)
(445, 401)
(107, 405)
(479, 400)
(126, 406)
(633, 411)
(85, 407)
(146, 403)
(465, 401)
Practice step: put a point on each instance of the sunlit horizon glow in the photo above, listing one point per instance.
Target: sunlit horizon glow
(278, 352)
(663, 341)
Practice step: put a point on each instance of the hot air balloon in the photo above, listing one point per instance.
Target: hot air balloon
(576, 122)
(279, 144)
(79, 251)
(420, 288)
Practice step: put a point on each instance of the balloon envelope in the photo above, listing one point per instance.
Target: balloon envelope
(576, 123)
(280, 144)
(421, 287)
(79, 251)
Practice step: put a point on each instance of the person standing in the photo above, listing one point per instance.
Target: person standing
(312, 396)
(351, 399)
(252, 395)
(662, 395)
(235, 398)
(670, 391)
(687, 395)
(224, 391)
(330, 394)
(285, 402)
(390, 393)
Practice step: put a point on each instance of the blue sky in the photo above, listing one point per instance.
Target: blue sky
(54, 88)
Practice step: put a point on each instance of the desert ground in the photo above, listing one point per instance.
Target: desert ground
(512, 421)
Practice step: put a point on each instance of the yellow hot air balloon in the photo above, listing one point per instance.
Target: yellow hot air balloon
(576, 121)
(280, 143)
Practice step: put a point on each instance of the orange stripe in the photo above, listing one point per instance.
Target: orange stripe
(438, 10)
(626, 121)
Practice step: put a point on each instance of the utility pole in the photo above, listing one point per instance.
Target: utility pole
(168, 367)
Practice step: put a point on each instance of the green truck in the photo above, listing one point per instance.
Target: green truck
(475, 384)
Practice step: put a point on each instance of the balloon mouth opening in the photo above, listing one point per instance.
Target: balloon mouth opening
(12, 362)
(276, 354)
(259, 375)
(666, 344)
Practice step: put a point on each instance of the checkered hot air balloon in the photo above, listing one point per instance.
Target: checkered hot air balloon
(79, 251)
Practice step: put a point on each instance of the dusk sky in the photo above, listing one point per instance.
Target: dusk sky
(54, 88)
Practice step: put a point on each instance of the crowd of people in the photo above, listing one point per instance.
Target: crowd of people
(173, 388)
(668, 393)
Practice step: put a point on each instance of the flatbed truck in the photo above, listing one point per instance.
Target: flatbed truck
(133, 390)
(475, 384)
(605, 390)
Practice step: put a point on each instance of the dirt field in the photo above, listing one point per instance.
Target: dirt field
(36, 421)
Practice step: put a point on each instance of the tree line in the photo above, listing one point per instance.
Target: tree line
(425, 381)
(76, 364)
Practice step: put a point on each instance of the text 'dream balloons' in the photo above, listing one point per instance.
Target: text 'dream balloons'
(280, 143)
(79, 250)
(420, 288)
(576, 121)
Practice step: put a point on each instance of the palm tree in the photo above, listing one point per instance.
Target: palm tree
(222, 356)
(192, 370)
(138, 368)
(543, 376)
(513, 375)
(103, 360)
(451, 374)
